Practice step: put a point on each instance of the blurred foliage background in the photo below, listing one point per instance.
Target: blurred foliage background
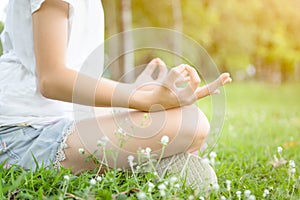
(255, 39)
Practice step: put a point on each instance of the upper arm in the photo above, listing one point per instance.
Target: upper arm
(50, 35)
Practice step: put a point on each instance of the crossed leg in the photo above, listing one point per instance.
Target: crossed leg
(130, 130)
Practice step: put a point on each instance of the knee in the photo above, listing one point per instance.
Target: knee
(199, 131)
(203, 126)
(202, 130)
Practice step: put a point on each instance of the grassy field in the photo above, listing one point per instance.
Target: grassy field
(260, 118)
(261, 136)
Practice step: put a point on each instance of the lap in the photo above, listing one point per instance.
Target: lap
(130, 130)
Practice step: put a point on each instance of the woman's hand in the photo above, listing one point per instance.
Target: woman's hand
(170, 94)
(166, 92)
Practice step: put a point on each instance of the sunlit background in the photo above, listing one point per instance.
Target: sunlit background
(255, 39)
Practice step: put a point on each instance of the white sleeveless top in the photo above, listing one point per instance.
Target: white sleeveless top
(20, 99)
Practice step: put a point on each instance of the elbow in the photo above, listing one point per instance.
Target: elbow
(51, 79)
(45, 85)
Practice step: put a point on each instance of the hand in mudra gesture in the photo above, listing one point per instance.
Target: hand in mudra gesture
(166, 92)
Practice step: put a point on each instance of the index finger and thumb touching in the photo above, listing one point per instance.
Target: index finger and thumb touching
(152, 66)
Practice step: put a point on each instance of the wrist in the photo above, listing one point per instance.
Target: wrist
(121, 95)
(141, 100)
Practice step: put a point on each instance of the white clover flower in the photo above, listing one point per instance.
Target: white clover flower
(81, 151)
(228, 182)
(162, 186)
(176, 185)
(130, 160)
(141, 195)
(238, 194)
(93, 181)
(266, 193)
(223, 198)
(212, 154)
(173, 179)
(102, 142)
(292, 164)
(105, 138)
(216, 187)
(201, 198)
(292, 170)
(99, 178)
(120, 130)
(66, 177)
(279, 149)
(252, 197)
(191, 197)
(247, 193)
(162, 193)
(150, 186)
(164, 140)
(148, 150)
(292, 167)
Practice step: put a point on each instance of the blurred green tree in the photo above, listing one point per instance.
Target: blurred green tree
(237, 34)
(260, 33)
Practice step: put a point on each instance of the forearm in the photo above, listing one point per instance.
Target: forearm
(70, 86)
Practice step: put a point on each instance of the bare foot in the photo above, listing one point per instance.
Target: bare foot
(212, 88)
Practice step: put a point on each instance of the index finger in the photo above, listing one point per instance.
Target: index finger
(154, 63)
(194, 77)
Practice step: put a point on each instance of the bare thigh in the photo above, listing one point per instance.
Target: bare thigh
(129, 131)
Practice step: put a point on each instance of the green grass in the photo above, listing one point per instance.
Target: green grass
(259, 118)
